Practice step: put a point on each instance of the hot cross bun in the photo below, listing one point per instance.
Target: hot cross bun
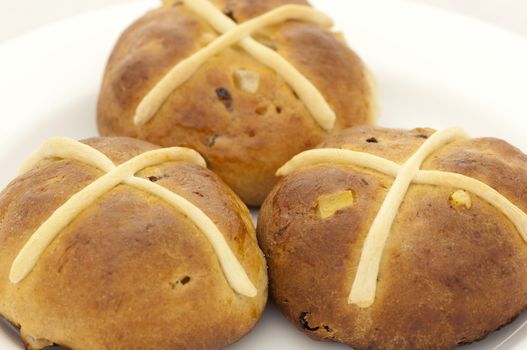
(114, 243)
(395, 239)
(278, 82)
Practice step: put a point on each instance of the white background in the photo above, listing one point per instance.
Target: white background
(18, 17)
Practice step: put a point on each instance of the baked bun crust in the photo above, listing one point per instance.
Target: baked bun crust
(130, 272)
(449, 275)
(244, 136)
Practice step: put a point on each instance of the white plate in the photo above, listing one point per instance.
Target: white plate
(434, 69)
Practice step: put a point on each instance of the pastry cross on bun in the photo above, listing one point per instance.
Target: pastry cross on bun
(426, 229)
(70, 149)
(97, 242)
(247, 84)
(233, 34)
(363, 291)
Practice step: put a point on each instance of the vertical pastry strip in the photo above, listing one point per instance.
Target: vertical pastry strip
(365, 284)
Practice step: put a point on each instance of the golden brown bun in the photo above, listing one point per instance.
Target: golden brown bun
(448, 275)
(131, 272)
(245, 141)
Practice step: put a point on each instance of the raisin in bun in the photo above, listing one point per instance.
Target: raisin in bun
(248, 105)
(154, 252)
(394, 239)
